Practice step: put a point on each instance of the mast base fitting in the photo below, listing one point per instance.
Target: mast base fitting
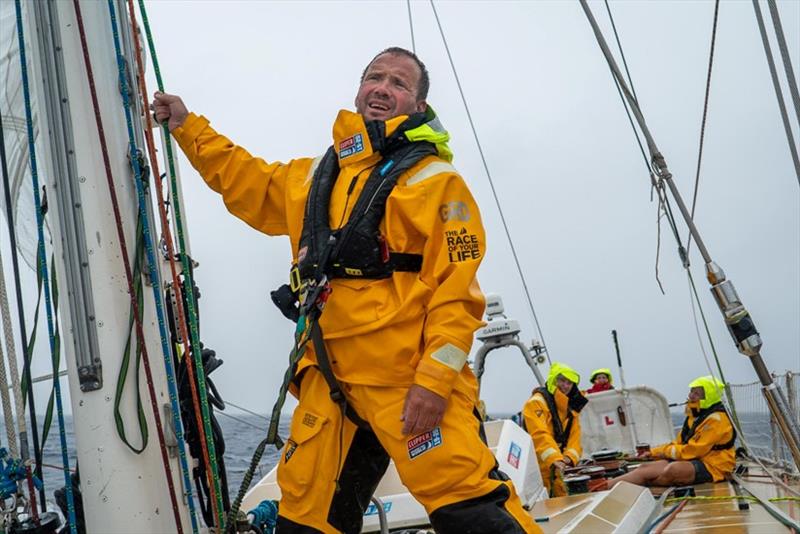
(48, 524)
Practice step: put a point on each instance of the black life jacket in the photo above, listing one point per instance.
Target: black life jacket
(560, 433)
(687, 432)
(357, 249)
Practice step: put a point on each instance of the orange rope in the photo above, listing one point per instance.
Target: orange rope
(171, 254)
(667, 520)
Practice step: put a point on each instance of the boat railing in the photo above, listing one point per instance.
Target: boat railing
(759, 427)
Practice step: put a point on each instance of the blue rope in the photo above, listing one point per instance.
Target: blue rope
(73, 526)
(151, 263)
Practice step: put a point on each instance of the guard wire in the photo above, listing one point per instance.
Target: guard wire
(43, 262)
(491, 183)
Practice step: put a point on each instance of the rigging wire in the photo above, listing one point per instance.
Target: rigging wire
(411, 27)
(778, 92)
(189, 279)
(43, 265)
(787, 61)
(129, 275)
(663, 200)
(703, 121)
(199, 398)
(26, 355)
(491, 182)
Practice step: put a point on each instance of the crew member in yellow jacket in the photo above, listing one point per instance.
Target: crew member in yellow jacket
(551, 418)
(702, 452)
(397, 341)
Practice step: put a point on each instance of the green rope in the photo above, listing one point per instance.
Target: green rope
(188, 287)
(126, 357)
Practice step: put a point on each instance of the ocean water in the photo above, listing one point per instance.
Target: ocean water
(241, 438)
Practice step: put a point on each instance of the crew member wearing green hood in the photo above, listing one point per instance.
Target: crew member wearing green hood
(551, 418)
(702, 452)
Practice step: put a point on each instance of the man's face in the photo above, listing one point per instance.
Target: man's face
(389, 88)
(601, 379)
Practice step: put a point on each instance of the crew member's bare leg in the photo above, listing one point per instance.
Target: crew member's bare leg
(658, 473)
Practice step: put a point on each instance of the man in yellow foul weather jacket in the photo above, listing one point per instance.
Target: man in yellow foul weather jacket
(397, 341)
(551, 418)
(702, 452)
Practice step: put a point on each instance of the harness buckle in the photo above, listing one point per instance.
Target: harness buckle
(294, 279)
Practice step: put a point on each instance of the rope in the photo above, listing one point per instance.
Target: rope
(153, 270)
(787, 61)
(26, 354)
(134, 315)
(129, 277)
(13, 367)
(411, 27)
(491, 183)
(8, 414)
(194, 335)
(703, 122)
(778, 92)
(716, 498)
(43, 265)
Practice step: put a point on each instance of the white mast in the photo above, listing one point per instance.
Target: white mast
(121, 491)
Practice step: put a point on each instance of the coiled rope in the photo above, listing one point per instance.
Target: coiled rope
(135, 305)
(43, 266)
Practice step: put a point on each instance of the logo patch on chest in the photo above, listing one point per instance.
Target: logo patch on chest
(351, 145)
(424, 442)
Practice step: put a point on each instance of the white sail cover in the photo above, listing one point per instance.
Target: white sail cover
(12, 108)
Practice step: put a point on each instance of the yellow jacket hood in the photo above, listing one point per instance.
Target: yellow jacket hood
(713, 389)
(561, 369)
(603, 371)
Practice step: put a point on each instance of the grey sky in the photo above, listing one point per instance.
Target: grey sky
(571, 181)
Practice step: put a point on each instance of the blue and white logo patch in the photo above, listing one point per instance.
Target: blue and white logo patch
(373, 510)
(424, 442)
(351, 145)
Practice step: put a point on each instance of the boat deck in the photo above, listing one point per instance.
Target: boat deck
(708, 516)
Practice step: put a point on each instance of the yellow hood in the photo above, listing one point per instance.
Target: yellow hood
(603, 371)
(712, 387)
(561, 369)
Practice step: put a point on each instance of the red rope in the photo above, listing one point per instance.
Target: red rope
(128, 274)
(176, 284)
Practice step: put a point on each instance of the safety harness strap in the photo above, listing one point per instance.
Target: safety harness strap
(337, 395)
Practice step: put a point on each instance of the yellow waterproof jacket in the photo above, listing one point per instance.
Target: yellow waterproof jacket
(409, 328)
(716, 429)
(539, 424)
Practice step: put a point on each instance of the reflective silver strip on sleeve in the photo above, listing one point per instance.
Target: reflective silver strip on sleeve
(672, 452)
(313, 169)
(547, 453)
(451, 356)
(431, 169)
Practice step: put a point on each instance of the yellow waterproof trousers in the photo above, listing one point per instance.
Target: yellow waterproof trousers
(449, 470)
